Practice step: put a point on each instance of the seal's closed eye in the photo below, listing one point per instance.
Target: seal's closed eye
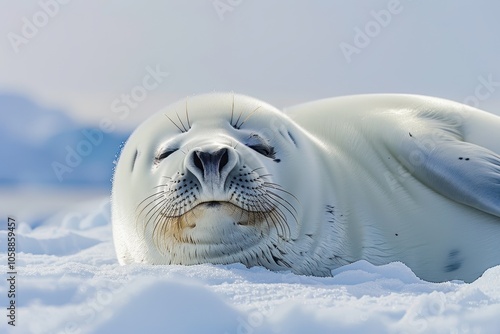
(261, 146)
(265, 150)
(164, 154)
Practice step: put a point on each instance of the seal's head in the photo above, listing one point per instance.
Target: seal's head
(213, 179)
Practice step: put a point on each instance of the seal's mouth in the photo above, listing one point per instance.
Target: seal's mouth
(220, 213)
(212, 204)
(208, 206)
(180, 218)
(211, 223)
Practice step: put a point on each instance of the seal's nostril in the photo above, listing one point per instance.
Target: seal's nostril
(197, 161)
(224, 159)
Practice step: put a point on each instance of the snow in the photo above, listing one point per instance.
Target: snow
(69, 281)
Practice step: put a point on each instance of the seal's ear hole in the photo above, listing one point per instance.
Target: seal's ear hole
(134, 159)
(287, 135)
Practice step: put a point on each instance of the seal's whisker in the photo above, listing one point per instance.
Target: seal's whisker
(156, 215)
(276, 216)
(279, 196)
(279, 188)
(187, 115)
(159, 194)
(256, 169)
(161, 185)
(250, 115)
(152, 209)
(177, 126)
(152, 217)
(152, 214)
(166, 222)
(271, 209)
(182, 123)
(155, 209)
(236, 126)
(155, 194)
(280, 218)
(284, 206)
(161, 226)
(270, 220)
(232, 112)
(186, 150)
(233, 144)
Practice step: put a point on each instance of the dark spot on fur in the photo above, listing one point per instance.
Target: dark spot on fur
(292, 138)
(454, 261)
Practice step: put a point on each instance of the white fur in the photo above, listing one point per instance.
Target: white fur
(375, 177)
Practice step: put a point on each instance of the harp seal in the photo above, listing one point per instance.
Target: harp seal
(224, 178)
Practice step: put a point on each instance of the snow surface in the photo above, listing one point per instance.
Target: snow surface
(69, 281)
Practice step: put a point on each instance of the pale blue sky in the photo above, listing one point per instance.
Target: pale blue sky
(285, 52)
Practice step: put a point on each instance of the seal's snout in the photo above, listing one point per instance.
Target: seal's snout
(211, 162)
(211, 165)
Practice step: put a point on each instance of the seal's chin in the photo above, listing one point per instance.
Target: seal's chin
(211, 223)
(212, 232)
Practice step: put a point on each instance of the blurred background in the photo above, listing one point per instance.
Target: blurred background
(76, 77)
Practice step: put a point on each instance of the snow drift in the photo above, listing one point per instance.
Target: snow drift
(69, 281)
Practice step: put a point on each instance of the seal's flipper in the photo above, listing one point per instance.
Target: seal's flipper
(464, 172)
